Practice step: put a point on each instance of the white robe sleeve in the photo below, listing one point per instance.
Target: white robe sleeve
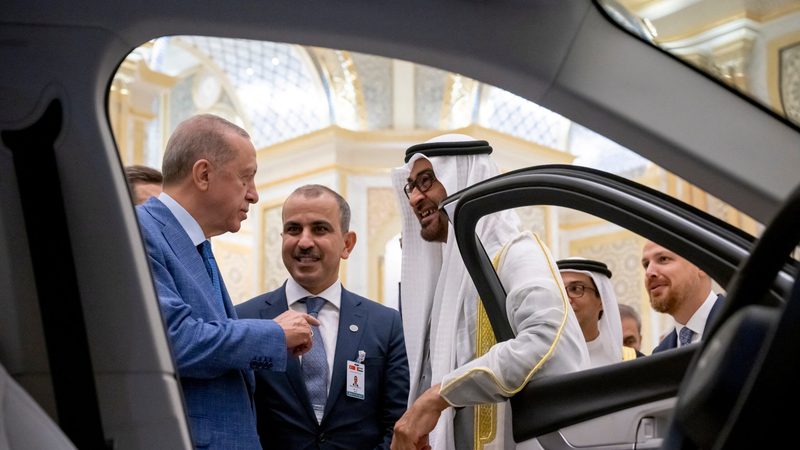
(548, 338)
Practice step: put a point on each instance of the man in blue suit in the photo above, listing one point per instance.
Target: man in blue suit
(209, 167)
(680, 289)
(352, 399)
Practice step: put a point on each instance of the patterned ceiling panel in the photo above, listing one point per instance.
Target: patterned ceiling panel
(429, 85)
(281, 91)
(376, 77)
(511, 114)
(790, 81)
(278, 89)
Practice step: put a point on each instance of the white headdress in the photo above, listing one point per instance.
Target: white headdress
(436, 287)
(608, 349)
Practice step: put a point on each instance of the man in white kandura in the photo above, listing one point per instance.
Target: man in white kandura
(458, 372)
(592, 297)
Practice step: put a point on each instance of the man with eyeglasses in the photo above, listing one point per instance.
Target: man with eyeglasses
(460, 377)
(591, 294)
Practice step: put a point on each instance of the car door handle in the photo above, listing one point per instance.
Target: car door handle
(648, 434)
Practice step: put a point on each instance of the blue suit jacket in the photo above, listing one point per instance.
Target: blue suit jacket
(670, 341)
(285, 417)
(215, 354)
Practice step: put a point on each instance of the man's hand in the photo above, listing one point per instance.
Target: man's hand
(411, 431)
(297, 328)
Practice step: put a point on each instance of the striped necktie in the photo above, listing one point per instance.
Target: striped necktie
(315, 363)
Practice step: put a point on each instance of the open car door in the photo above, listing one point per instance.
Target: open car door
(624, 405)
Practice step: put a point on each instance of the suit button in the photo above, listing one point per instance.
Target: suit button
(322, 437)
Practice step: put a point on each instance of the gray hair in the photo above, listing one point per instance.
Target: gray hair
(198, 137)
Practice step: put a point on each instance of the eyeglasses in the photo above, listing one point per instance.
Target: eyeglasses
(423, 182)
(575, 290)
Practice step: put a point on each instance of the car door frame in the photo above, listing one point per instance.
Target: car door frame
(550, 404)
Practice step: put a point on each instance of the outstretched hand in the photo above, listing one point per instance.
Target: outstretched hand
(297, 328)
(411, 431)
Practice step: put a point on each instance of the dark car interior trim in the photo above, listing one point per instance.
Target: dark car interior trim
(742, 361)
(33, 150)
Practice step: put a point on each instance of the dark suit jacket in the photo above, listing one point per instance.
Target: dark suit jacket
(671, 340)
(284, 414)
(215, 355)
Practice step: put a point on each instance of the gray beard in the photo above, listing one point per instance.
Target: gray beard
(438, 234)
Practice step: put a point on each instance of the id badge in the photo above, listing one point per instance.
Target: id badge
(355, 380)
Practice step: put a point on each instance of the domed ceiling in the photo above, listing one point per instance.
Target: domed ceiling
(281, 91)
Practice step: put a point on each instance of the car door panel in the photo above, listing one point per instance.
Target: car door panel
(548, 405)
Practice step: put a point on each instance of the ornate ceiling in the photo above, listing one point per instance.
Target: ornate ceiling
(281, 91)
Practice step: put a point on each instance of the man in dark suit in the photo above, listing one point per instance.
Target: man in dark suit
(352, 399)
(209, 166)
(680, 289)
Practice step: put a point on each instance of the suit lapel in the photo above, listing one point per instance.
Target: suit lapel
(713, 313)
(352, 316)
(178, 240)
(672, 339)
(274, 306)
(186, 253)
(230, 310)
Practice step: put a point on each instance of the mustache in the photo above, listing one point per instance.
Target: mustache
(308, 253)
(426, 204)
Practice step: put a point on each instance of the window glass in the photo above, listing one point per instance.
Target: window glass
(651, 279)
(344, 119)
(751, 46)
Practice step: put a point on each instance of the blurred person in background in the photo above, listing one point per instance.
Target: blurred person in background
(144, 182)
(631, 328)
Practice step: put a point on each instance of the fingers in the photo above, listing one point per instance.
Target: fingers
(311, 320)
(297, 329)
(403, 435)
(423, 443)
(301, 349)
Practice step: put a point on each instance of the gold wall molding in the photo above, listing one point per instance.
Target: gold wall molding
(383, 224)
(133, 90)
(235, 263)
(338, 67)
(722, 16)
(779, 72)
(269, 247)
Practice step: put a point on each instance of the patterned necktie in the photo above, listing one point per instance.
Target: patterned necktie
(685, 336)
(211, 267)
(315, 362)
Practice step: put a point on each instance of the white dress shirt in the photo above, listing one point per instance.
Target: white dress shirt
(697, 322)
(186, 220)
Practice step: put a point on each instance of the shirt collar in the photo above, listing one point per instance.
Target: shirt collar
(697, 322)
(295, 292)
(186, 220)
